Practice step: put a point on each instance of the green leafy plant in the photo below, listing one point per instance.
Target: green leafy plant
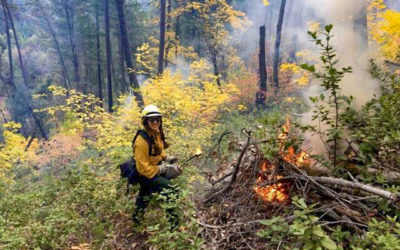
(377, 126)
(327, 109)
(380, 235)
(305, 229)
(186, 235)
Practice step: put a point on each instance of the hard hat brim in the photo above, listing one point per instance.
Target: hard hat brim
(153, 114)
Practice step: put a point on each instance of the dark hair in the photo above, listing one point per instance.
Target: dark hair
(145, 122)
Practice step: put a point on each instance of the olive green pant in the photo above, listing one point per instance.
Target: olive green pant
(149, 187)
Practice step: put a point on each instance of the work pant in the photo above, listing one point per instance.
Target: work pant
(149, 187)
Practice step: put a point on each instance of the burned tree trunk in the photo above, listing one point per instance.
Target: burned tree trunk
(99, 79)
(262, 63)
(162, 38)
(108, 54)
(128, 58)
(277, 45)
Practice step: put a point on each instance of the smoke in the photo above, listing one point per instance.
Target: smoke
(351, 43)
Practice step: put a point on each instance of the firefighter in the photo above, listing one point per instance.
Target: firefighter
(260, 99)
(154, 166)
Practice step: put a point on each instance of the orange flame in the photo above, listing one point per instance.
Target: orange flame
(279, 192)
(271, 193)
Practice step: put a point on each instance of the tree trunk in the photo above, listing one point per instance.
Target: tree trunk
(10, 82)
(21, 63)
(67, 83)
(162, 38)
(360, 24)
(177, 31)
(10, 58)
(262, 63)
(277, 45)
(124, 86)
(214, 55)
(128, 58)
(70, 22)
(99, 79)
(169, 25)
(108, 54)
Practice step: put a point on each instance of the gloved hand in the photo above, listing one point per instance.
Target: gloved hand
(172, 171)
(163, 169)
(171, 159)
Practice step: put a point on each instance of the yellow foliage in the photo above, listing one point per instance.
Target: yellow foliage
(290, 67)
(188, 105)
(384, 25)
(12, 151)
(300, 77)
(265, 2)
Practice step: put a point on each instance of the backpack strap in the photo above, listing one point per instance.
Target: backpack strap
(147, 138)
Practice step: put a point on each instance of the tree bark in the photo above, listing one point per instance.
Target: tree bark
(10, 58)
(356, 185)
(108, 54)
(21, 63)
(128, 58)
(162, 38)
(169, 25)
(124, 86)
(177, 33)
(262, 63)
(99, 79)
(70, 22)
(277, 45)
(214, 55)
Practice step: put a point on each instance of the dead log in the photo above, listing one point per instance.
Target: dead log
(357, 185)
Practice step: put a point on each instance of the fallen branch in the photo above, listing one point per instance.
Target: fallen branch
(356, 185)
(392, 63)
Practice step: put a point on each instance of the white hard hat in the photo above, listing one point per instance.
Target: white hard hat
(150, 111)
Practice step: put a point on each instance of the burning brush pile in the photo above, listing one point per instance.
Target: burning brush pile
(251, 188)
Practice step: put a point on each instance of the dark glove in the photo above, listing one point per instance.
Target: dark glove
(172, 171)
(163, 169)
(171, 159)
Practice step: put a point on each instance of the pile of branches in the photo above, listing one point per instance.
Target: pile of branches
(230, 212)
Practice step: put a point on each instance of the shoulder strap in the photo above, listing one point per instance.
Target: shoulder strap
(146, 137)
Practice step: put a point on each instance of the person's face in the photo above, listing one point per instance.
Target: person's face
(154, 122)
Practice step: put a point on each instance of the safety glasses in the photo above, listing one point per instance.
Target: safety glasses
(155, 119)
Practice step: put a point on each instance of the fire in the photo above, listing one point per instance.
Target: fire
(279, 192)
(300, 160)
(271, 193)
(198, 151)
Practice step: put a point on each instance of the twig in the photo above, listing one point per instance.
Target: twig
(234, 174)
(392, 63)
(213, 147)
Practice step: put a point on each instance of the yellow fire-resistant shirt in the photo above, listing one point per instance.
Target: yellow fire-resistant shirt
(146, 164)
